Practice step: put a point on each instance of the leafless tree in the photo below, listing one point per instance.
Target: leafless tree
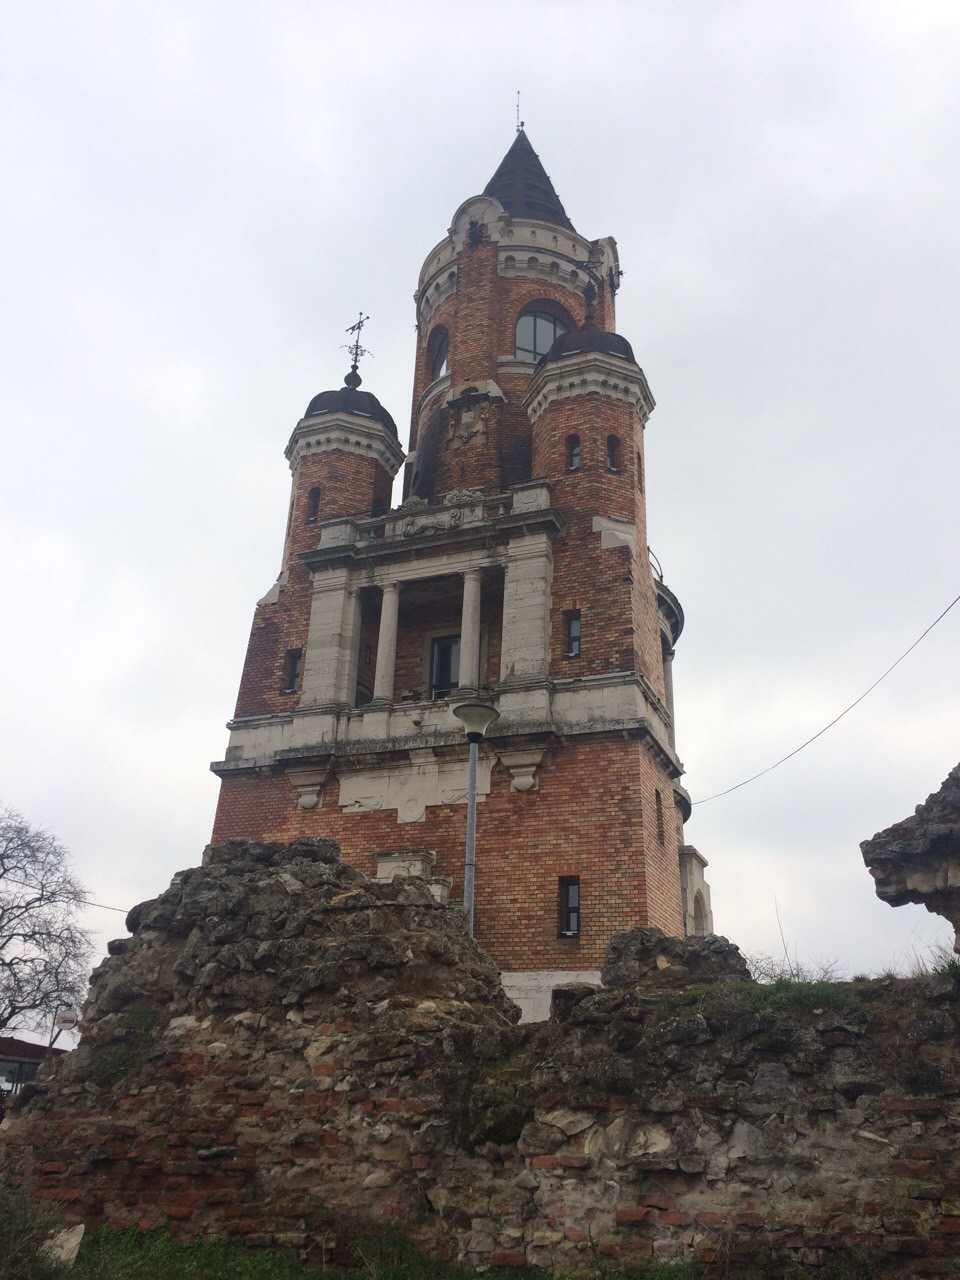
(44, 954)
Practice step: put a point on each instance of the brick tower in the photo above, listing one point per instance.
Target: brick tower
(516, 569)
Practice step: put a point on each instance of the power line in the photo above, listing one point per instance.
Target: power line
(796, 750)
(87, 902)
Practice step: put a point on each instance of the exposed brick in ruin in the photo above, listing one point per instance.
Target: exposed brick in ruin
(283, 1044)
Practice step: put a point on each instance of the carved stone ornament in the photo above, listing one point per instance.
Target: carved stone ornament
(413, 502)
(468, 423)
(523, 767)
(462, 497)
(309, 784)
(414, 525)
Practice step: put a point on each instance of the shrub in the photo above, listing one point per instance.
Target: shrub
(25, 1227)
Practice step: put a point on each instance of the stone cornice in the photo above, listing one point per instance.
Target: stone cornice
(669, 609)
(586, 373)
(443, 535)
(345, 755)
(349, 433)
(340, 749)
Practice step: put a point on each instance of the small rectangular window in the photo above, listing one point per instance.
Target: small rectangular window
(569, 906)
(291, 670)
(573, 453)
(613, 453)
(444, 666)
(573, 633)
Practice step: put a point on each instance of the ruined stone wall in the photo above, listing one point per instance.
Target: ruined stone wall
(918, 859)
(283, 1044)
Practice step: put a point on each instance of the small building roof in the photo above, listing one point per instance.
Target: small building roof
(14, 1050)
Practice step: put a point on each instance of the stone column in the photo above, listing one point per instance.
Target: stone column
(349, 655)
(329, 618)
(387, 644)
(525, 647)
(470, 631)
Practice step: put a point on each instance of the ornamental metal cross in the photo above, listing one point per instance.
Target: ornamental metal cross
(354, 347)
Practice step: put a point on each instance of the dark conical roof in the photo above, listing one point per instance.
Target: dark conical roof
(523, 188)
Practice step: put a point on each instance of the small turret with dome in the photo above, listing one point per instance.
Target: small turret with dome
(344, 454)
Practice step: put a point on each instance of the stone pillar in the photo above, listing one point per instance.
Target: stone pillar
(470, 631)
(329, 618)
(525, 647)
(349, 655)
(668, 688)
(387, 644)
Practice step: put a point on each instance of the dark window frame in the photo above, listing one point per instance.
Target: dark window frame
(292, 668)
(574, 452)
(573, 633)
(313, 505)
(569, 909)
(439, 352)
(613, 454)
(449, 667)
(543, 325)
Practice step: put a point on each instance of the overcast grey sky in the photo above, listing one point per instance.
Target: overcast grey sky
(199, 198)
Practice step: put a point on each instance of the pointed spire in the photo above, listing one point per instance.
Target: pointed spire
(523, 188)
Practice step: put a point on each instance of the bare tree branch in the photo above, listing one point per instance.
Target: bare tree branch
(44, 954)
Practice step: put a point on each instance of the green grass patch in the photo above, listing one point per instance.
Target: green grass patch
(137, 1255)
(783, 996)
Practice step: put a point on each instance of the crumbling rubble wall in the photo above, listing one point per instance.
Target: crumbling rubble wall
(283, 1045)
(918, 859)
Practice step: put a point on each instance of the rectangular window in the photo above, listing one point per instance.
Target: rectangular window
(291, 670)
(661, 832)
(569, 906)
(444, 666)
(573, 633)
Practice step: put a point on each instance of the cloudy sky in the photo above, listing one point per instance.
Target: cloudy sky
(199, 199)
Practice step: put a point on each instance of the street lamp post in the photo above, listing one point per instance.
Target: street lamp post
(476, 717)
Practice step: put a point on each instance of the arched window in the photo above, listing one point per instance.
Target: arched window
(573, 453)
(537, 331)
(699, 915)
(613, 453)
(438, 348)
(313, 506)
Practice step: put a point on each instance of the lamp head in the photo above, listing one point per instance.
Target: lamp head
(476, 717)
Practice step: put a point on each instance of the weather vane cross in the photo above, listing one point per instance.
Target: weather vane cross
(519, 121)
(354, 347)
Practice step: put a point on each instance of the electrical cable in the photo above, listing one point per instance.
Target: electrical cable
(796, 750)
(87, 902)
